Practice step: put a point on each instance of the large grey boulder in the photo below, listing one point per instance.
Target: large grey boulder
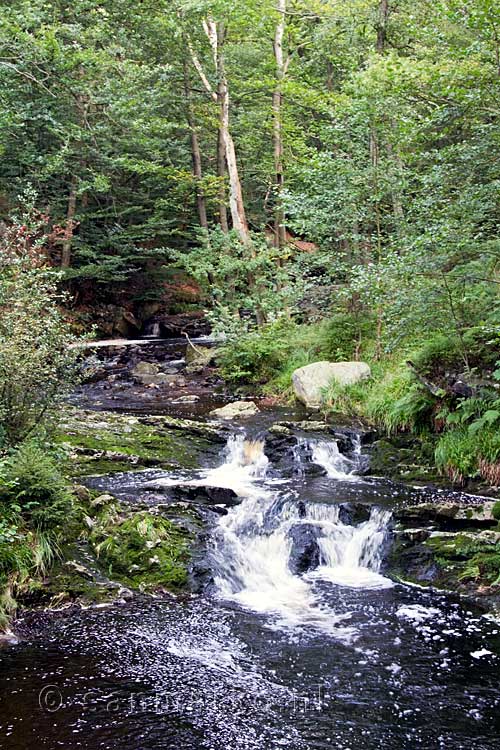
(310, 381)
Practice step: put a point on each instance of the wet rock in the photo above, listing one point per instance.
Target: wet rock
(82, 493)
(279, 448)
(450, 515)
(411, 562)
(352, 514)
(236, 410)
(414, 535)
(280, 430)
(305, 551)
(309, 382)
(180, 382)
(81, 570)
(206, 494)
(159, 379)
(148, 373)
(198, 357)
(313, 426)
(125, 594)
(188, 399)
(102, 500)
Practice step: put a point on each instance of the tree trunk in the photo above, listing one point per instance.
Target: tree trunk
(216, 34)
(279, 214)
(195, 151)
(383, 15)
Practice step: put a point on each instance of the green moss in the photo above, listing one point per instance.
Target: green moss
(464, 558)
(105, 442)
(143, 551)
(496, 510)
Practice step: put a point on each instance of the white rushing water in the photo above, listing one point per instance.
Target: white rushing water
(253, 543)
(337, 466)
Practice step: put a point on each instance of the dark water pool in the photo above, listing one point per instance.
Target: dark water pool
(416, 671)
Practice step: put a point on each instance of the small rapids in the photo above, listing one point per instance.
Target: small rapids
(253, 544)
(300, 642)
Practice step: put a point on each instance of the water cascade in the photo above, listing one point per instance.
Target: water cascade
(255, 542)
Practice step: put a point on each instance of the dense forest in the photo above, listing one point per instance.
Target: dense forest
(277, 165)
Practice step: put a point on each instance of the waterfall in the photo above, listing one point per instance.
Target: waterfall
(351, 555)
(337, 466)
(253, 545)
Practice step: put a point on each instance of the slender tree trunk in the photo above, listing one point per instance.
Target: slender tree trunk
(279, 214)
(383, 15)
(195, 151)
(329, 76)
(216, 34)
(70, 224)
(223, 128)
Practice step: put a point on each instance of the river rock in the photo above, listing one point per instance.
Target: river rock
(235, 410)
(102, 500)
(82, 493)
(79, 569)
(310, 381)
(197, 493)
(305, 552)
(148, 373)
(352, 514)
(450, 514)
(198, 357)
(190, 398)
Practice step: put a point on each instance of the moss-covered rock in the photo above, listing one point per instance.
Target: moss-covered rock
(105, 442)
(142, 550)
(404, 458)
(467, 562)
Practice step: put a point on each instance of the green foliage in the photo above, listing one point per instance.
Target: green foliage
(270, 353)
(245, 283)
(456, 455)
(348, 334)
(436, 354)
(32, 483)
(144, 550)
(399, 403)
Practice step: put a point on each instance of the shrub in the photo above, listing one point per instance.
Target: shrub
(347, 335)
(32, 483)
(270, 353)
(37, 364)
(436, 354)
(456, 455)
(399, 403)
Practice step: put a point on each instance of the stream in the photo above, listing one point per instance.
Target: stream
(300, 640)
